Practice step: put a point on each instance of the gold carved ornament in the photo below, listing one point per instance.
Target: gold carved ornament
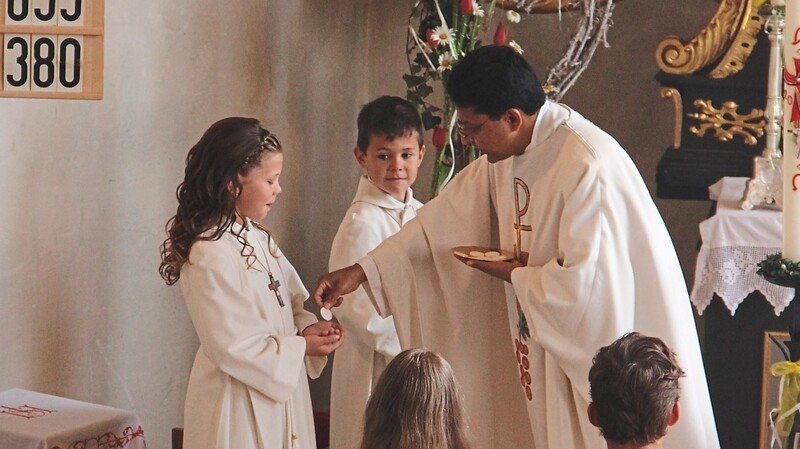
(734, 27)
(671, 92)
(742, 46)
(727, 122)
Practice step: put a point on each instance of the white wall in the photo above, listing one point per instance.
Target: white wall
(88, 185)
(87, 188)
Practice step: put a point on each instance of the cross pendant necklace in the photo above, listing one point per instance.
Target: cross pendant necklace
(273, 285)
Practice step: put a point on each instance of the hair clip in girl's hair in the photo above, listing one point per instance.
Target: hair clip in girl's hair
(270, 142)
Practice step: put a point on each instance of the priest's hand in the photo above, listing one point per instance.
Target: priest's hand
(498, 269)
(323, 337)
(330, 287)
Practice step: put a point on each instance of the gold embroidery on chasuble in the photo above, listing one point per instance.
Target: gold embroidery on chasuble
(521, 204)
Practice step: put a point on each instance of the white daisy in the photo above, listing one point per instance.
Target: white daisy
(442, 35)
(477, 10)
(513, 16)
(516, 47)
(445, 62)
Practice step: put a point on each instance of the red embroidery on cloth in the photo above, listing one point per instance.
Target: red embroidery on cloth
(524, 368)
(25, 411)
(793, 79)
(522, 352)
(108, 440)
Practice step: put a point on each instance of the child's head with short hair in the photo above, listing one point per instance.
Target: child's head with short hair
(389, 145)
(231, 173)
(634, 388)
(415, 404)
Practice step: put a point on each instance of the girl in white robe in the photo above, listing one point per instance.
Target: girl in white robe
(248, 388)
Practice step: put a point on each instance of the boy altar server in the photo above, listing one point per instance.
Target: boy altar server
(634, 384)
(594, 261)
(389, 148)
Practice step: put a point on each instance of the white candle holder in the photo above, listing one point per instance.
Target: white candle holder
(766, 185)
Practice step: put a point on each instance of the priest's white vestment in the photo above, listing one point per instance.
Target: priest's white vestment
(372, 340)
(248, 388)
(601, 264)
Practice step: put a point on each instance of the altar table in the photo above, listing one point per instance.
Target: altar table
(734, 242)
(31, 420)
(738, 307)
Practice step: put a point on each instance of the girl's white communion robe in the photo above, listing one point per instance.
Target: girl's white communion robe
(248, 388)
(601, 264)
(373, 216)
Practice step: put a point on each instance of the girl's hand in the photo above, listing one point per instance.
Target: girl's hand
(323, 337)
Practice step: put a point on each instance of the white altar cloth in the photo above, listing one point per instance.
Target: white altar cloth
(734, 242)
(31, 420)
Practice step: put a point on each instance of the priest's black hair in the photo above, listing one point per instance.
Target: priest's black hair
(494, 79)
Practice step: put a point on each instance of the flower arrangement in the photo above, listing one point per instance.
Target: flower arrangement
(780, 271)
(440, 34)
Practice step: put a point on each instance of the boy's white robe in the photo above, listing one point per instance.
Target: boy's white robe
(248, 388)
(601, 264)
(372, 340)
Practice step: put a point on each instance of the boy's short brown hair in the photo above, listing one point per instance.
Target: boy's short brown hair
(634, 387)
(388, 116)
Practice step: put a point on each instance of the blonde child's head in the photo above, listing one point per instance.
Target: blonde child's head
(415, 405)
(222, 183)
(389, 145)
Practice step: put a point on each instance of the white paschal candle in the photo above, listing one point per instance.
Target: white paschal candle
(791, 119)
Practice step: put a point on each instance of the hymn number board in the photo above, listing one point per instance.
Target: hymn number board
(52, 49)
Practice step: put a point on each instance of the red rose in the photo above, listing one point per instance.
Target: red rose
(467, 7)
(439, 137)
(433, 43)
(500, 36)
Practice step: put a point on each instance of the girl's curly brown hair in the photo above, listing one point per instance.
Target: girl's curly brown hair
(230, 148)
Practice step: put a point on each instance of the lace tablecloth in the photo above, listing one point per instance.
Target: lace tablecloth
(734, 241)
(31, 420)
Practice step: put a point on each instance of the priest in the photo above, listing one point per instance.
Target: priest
(593, 261)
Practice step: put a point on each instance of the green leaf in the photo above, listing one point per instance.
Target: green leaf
(420, 59)
(424, 90)
(414, 97)
(433, 109)
(413, 80)
(429, 120)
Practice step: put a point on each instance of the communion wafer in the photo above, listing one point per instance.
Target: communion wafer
(476, 253)
(326, 314)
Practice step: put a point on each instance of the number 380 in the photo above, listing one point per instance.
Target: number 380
(46, 59)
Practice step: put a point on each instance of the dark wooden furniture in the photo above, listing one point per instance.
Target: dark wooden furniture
(717, 83)
(177, 438)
